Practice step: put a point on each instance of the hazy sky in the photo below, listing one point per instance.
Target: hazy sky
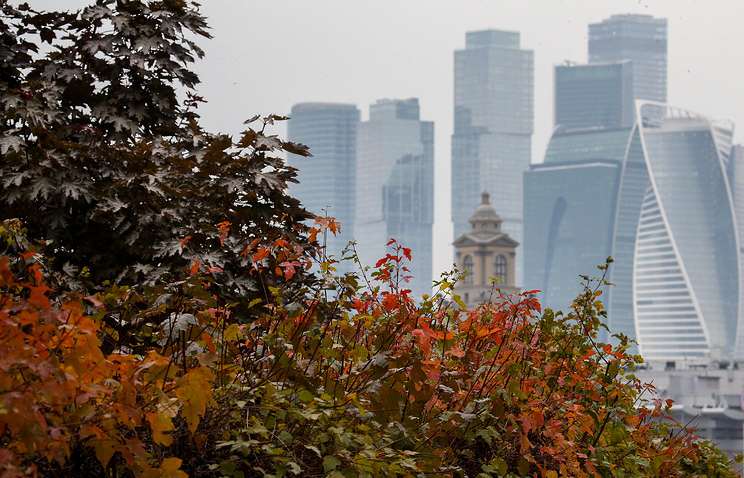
(268, 55)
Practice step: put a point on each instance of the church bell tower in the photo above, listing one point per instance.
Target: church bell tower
(486, 256)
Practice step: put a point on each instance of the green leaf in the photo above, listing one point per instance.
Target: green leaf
(523, 466)
(330, 463)
(305, 396)
(227, 468)
(500, 466)
(285, 437)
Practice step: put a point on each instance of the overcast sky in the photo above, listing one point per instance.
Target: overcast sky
(268, 55)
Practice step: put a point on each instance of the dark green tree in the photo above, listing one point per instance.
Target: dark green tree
(102, 155)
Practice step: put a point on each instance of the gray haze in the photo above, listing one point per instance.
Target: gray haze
(267, 56)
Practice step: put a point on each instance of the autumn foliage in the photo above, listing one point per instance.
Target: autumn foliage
(166, 309)
(354, 380)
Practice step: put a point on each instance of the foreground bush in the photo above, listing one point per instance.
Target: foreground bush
(353, 380)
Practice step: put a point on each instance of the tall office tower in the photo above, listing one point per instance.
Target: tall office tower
(395, 187)
(569, 210)
(491, 144)
(641, 39)
(594, 95)
(736, 177)
(327, 180)
(686, 269)
(673, 232)
(574, 218)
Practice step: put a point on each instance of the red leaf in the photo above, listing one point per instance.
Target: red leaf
(250, 247)
(224, 229)
(95, 301)
(262, 253)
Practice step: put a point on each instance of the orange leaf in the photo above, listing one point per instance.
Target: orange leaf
(160, 424)
(104, 450)
(262, 253)
(194, 390)
(224, 230)
(171, 468)
(250, 247)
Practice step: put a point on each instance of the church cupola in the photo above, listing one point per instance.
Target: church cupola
(486, 255)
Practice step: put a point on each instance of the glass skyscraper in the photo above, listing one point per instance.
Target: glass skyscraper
(491, 144)
(641, 39)
(673, 229)
(327, 180)
(595, 95)
(395, 187)
(686, 270)
(569, 209)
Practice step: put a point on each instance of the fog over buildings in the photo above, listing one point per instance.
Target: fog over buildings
(493, 126)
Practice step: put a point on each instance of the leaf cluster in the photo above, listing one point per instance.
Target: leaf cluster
(371, 384)
(355, 379)
(99, 157)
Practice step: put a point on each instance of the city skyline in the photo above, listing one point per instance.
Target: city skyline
(584, 201)
(349, 57)
(266, 57)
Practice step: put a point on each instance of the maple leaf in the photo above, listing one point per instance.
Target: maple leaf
(9, 141)
(194, 391)
(159, 424)
(289, 268)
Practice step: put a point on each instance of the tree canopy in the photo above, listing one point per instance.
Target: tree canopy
(158, 317)
(102, 160)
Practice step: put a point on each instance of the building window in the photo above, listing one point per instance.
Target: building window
(500, 268)
(467, 264)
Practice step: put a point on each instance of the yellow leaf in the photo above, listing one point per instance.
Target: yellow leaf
(159, 423)
(171, 469)
(104, 450)
(194, 390)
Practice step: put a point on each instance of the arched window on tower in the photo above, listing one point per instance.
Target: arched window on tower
(468, 265)
(499, 270)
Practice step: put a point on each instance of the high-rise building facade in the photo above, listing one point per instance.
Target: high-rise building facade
(594, 95)
(582, 206)
(673, 229)
(395, 187)
(327, 181)
(641, 39)
(566, 235)
(491, 144)
(686, 270)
